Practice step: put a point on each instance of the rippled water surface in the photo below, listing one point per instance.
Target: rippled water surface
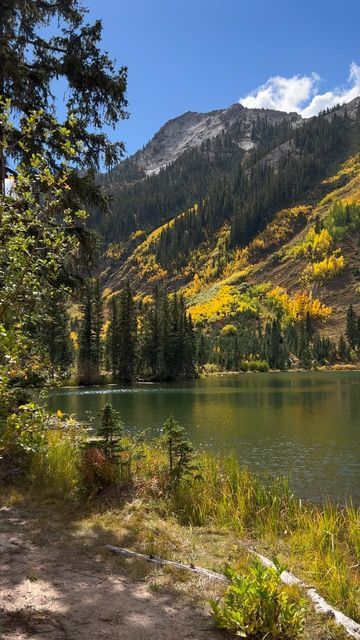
(306, 425)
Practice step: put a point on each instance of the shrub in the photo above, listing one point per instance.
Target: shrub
(298, 306)
(257, 606)
(325, 269)
(315, 244)
(97, 470)
(254, 365)
(228, 330)
(110, 432)
(343, 219)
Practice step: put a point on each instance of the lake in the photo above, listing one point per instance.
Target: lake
(306, 425)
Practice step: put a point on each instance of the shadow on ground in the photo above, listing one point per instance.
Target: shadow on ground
(55, 584)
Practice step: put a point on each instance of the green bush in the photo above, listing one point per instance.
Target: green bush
(254, 365)
(343, 220)
(257, 606)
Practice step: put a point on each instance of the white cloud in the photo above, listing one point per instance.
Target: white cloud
(301, 93)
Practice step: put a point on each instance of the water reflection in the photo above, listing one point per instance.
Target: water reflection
(306, 424)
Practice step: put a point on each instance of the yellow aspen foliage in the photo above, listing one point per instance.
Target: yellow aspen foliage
(349, 168)
(225, 301)
(104, 330)
(279, 230)
(327, 268)
(321, 242)
(74, 340)
(219, 306)
(297, 306)
(228, 330)
(314, 244)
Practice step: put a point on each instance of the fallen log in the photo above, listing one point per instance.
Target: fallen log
(176, 565)
(320, 604)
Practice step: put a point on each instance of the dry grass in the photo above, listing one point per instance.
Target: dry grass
(146, 525)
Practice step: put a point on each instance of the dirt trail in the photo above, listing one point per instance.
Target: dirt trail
(55, 586)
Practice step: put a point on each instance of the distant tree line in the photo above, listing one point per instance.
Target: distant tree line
(130, 339)
(274, 346)
(125, 338)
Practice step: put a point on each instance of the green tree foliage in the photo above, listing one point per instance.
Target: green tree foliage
(249, 346)
(179, 450)
(343, 220)
(125, 357)
(89, 356)
(273, 348)
(110, 433)
(164, 345)
(343, 349)
(106, 458)
(352, 333)
(32, 57)
(168, 338)
(41, 253)
(226, 185)
(54, 332)
(147, 203)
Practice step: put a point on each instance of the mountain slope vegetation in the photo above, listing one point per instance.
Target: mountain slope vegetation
(247, 234)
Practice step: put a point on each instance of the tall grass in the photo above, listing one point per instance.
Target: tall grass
(230, 495)
(55, 469)
(320, 544)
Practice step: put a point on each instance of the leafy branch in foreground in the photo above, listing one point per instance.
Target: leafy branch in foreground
(43, 244)
(33, 56)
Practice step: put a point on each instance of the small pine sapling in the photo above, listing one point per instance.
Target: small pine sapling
(110, 433)
(179, 450)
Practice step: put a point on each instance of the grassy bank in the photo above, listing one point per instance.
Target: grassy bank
(209, 516)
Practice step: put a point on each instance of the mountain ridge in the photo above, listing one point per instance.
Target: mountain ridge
(158, 152)
(219, 209)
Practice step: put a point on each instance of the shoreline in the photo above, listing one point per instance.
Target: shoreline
(68, 384)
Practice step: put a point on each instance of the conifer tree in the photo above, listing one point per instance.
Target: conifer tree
(351, 327)
(96, 321)
(179, 450)
(84, 364)
(110, 431)
(88, 365)
(54, 333)
(30, 62)
(343, 349)
(127, 336)
(113, 334)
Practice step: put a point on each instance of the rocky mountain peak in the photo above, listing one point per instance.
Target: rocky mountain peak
(191, 129)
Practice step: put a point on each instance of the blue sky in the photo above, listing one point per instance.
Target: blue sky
(199, 55)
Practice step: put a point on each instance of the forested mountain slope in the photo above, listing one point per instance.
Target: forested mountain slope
(259, 219)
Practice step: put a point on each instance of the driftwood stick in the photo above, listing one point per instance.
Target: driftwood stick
(321, 606)
(177, 565)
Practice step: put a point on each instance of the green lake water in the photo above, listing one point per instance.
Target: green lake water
(306, 425)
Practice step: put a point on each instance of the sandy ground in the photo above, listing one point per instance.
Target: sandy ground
(57, 586)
